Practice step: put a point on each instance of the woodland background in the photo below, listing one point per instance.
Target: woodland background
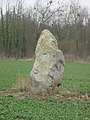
(20, 28)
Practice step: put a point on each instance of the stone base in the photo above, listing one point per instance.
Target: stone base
(44, 92)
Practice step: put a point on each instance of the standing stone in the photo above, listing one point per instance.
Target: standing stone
(49, 63)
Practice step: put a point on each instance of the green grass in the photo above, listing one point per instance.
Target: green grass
(31, 109)
(10, 72)
(76, 78)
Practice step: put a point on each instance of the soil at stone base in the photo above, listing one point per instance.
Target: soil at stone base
(57, 96)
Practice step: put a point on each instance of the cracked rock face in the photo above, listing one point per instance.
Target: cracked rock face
(49, 63)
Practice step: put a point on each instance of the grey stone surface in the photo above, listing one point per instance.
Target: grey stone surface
(49, 63)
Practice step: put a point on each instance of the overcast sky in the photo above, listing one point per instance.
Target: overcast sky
(31, 2)
(82, 2)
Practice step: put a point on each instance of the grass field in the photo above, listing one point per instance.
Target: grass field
(76, 82)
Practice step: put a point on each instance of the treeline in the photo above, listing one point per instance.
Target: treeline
(20, 28)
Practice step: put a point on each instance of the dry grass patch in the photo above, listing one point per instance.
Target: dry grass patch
(22, 84)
